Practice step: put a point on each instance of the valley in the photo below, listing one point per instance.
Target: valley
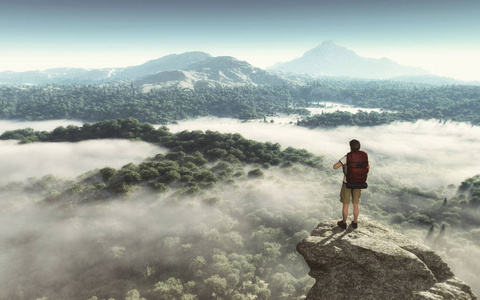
(195, 177)
(225, 224)
(184, 150)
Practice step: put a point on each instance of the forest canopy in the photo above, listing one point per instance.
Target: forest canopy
(399, 101)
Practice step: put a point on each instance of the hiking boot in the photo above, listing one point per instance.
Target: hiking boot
(354, 225)
(342, 224)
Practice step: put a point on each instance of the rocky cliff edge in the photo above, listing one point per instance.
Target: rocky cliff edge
(374, 262)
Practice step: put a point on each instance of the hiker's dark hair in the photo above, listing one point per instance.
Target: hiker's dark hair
(354, 145)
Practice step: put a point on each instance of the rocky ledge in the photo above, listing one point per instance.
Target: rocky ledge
(374, 262)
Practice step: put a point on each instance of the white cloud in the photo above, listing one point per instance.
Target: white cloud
(37, 125)
(426, 152)
(20, 162)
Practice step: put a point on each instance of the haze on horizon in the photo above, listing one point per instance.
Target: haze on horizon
(439, 36)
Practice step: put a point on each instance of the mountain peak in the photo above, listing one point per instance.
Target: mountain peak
(187, 56)
(221, 62)
(331, 59)
(328, 44)
(373, 262)
(328, 50)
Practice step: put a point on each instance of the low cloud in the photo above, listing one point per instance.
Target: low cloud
(44, 245)
(21, 161)
(425, 153)
(37, 125)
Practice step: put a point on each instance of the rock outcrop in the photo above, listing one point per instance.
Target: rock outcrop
(374, 262)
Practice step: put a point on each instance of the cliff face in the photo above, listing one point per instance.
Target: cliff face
(373, 262)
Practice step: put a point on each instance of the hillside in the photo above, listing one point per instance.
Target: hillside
(170, 62)
(214, 72)
(186, 70)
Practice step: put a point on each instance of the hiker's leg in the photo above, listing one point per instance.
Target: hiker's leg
(356, 200)
(356, 212)
(345, 199)
(345, 212)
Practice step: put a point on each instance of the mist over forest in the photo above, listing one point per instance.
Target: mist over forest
(112, 192)
(95, 228)
(448, 153)
(20, 162)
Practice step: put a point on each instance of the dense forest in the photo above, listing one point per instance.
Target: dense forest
(400, 102)
(217, 216)
(161, 106)
(92, 103)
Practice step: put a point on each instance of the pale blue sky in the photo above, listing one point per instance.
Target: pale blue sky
(441, 36)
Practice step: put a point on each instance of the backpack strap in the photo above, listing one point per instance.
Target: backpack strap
(344, 167)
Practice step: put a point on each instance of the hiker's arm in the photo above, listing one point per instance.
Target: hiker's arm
(337, 165)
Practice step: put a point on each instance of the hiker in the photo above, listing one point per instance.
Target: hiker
(355, 162)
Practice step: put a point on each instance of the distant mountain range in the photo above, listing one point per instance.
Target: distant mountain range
(213, 72)
(77, 75)
(199, 69)
(330, 59)
(187, 70)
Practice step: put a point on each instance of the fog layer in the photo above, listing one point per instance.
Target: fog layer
(427, 153)
(37, 125)
(75, 250)
(21, 161)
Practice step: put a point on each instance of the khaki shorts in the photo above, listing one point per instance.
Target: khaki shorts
(345, 195)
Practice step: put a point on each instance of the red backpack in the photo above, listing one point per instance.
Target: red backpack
(357, 170)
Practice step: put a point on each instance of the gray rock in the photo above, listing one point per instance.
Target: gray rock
(374, 262)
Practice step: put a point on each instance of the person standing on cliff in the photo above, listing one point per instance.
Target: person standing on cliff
(355, 167)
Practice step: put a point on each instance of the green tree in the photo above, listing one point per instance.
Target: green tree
(134, 295)
(216, 286)
(107, 173)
